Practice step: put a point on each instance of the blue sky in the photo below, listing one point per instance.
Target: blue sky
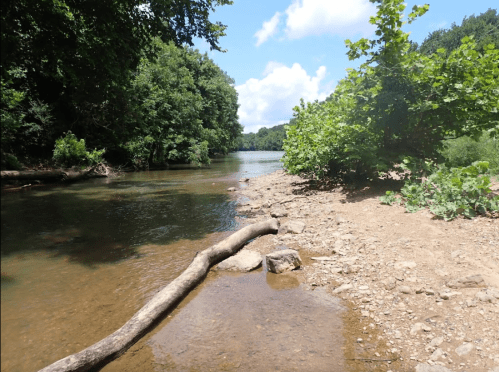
(279, 51)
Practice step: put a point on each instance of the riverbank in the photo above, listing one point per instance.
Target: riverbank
(421, 290)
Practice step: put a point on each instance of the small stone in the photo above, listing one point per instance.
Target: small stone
(284, 260)
(437, 354)
(343, 288)
(472, 281)
(348, 237)
(494, 292)
(278, 211)
(449, 295)
(351, 269)
(323, 258)
(422, 367)
(389, 283)
(416, 328)
(470, 303)
(292, 227)
(244, 179)
(231, 189)
(484, 297)
(340, 219)
(404, 289)
(429, 292)
(437, 341)
(405, 265)
(464, 349)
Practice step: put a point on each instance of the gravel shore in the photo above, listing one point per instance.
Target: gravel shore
(423, 293)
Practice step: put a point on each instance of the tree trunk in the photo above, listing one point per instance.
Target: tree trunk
(115, 344)
(56, 174)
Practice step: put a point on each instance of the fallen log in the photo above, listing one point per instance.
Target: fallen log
(118, 342)
(98, 170)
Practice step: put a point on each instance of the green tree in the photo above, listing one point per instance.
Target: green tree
(484, 28)
(184, 108)
(399, 103)
(72, 60)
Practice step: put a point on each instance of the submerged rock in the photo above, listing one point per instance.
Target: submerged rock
(281, 261)
(243, 261)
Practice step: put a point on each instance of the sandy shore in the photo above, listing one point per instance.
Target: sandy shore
(423, 293)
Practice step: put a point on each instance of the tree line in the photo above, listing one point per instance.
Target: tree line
(122, 76)
(266, 139)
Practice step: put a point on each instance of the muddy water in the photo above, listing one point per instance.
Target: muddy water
(79, 260)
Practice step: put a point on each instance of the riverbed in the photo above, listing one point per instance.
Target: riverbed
(79, 260)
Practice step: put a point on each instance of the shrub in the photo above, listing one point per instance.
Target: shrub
(463, 151)
(449, 192)
(10, 162)
(68, 151)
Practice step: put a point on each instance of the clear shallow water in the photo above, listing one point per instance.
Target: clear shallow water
(79, 260)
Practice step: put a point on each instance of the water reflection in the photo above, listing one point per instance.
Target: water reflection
(241, 323)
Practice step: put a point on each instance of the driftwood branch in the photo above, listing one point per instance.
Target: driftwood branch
(118, 342)
(99, 170)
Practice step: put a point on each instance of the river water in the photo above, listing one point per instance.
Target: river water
(79, 260)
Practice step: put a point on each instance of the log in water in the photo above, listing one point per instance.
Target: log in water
(118, 342)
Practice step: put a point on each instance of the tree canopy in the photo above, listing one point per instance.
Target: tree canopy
(68, 64)
(400, 103)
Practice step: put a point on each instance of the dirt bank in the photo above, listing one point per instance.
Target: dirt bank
(405, 276)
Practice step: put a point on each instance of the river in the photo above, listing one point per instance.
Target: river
(79, 260)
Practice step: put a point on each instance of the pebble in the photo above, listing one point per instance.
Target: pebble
(464, 349)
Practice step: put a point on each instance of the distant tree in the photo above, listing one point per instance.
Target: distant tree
(484, 28)
(266, 139)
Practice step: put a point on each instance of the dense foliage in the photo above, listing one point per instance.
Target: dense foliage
(72, 65)
(400, 103)
(448, 192)
(463, 151)
(266, 139)
(184, 107)
(69, 151)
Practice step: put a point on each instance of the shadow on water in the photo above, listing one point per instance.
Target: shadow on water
(105, 222)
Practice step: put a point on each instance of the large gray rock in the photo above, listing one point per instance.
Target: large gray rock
(243, 261)
(423, 367)
(281, 261)
(293, 227)
(472, 281)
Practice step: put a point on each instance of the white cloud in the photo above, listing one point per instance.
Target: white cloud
(304, 18)
(269, 101)
(318, 17)
(268, 29)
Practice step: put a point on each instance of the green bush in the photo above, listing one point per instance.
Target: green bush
(449, 192)
(463, 151)
(10, 162)
(68, 151)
